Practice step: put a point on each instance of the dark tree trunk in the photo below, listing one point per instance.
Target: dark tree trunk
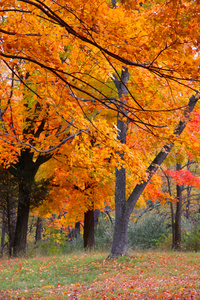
(173, 225)
(96, 218)
(187, 213)
(11, 223)
(20, 240)
(77, 229)
(177, 225)
(25, 170)
(88, 235)
(3, 229)
(172, 210)
(189, 188)
(38, 233)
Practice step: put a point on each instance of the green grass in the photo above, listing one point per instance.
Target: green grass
(148, 275)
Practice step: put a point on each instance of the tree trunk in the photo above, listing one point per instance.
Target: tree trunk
(119, 245)
(20, 240)
(96, 218)
(121, 220)
(88, 234)
(124, 208)
(38, 233)
(10, 223)
(189, 189)
(25, 170)
(173, 225)
(177, 225)
(3, 229)
(77, 229)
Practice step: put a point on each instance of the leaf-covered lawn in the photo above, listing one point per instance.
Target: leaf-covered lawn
(91, 276)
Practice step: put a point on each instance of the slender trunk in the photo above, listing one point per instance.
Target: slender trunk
(10, 233)
(20, 240)
(172, 211)
(187, 214)
(96, 218)
(77, 229)
(38, 233)
(177, 226)
(88, 235)
(3, 229)
(189, 188)
(173, 225)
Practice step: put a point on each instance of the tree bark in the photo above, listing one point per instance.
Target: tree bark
(24, 170)
(3, 229)
(119, 244)
(123, 208)
(88, 235)
(96, 218)
(20, 240)
(121, 217)
(77, 229)
(177, 225)
(11, 222)
(38, 233)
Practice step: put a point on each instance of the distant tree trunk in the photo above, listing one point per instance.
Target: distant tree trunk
(173, 224)
(88, 234)
(187, 213)
(96, 218)
(177, 225)
(3, 229)
(38, 233)
(172, 210)
(11, 223)
(189, 189)
(77, 229)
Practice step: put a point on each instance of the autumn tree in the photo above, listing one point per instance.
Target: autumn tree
(73, 48)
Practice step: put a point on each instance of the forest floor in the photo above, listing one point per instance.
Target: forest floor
(143, 275)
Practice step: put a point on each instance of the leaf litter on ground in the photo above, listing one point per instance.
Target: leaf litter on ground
(149, 275)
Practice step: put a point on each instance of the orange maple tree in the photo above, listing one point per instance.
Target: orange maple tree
(65, 56)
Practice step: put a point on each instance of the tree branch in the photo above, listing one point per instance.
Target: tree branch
(158, 160)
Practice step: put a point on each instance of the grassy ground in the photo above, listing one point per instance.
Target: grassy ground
(152, 275)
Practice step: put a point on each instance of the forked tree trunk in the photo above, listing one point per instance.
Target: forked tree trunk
(88, 235)
(123, 208)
